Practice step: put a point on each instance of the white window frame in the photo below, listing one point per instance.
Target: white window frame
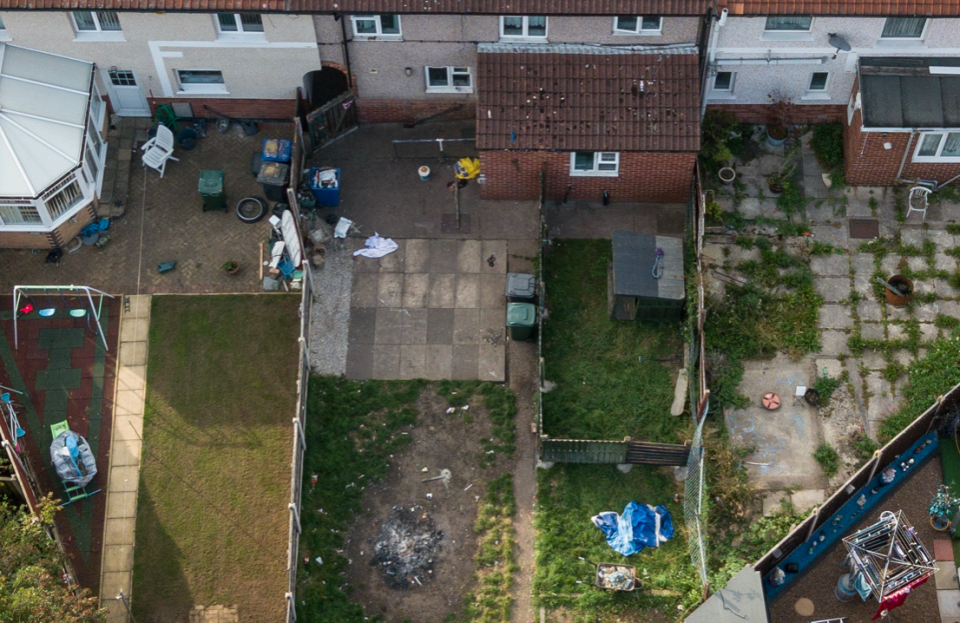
(788, 35)
(923, 32)
(95, 35)
(729, 89)
(818, 94)
(239, 34)
(379, 35)
(526, 36)
(595, 171)
(640, 31)
(938, 158)
(450, 87)
(209, 88)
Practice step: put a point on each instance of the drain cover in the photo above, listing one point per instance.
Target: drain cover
(864, 228)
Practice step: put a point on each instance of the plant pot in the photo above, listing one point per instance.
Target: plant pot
(232, 271)
(826, 180)
(776, 134)
(940, 524)
(812, 397)
(903, 284)
(727, 175)
(775, 184)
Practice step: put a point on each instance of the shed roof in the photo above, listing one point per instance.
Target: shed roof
(740, 601)
(579, 97)
(43, 110)
(634, 255)
(907, 93)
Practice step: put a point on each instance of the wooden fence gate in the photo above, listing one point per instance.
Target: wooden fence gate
(333, 120)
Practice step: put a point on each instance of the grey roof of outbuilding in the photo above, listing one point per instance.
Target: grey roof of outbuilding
(740, 601)
(902, 93)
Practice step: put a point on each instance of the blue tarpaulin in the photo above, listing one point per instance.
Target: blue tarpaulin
(638, 527)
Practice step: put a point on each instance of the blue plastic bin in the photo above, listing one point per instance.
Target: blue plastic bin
(275, 150)
(326, 197)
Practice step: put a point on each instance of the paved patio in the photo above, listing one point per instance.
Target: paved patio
(433, 309)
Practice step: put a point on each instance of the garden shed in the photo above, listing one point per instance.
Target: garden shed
(645, 280)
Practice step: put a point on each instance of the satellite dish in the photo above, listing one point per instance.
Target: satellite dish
(839, 42)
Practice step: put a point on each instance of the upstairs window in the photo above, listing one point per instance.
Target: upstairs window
(449, 80)
(96, 21)
(637, 25)
(239, 23)
(903, 28)
(523, 27)
(723, 81)
(385, 26)
(818, 81)
(595, 163)
(789, 23)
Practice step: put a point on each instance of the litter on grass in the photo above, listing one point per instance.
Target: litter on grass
(407, 547)
(637, 528)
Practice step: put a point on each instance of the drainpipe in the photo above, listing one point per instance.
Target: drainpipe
(346, 50)
(903, 161)
(711, 52)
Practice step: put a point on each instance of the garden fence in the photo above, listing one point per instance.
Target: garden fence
(303, 381)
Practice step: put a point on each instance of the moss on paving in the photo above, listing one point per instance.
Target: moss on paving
(214, 484)
(603, 388)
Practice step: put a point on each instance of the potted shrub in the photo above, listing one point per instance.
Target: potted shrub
(230, 267)
(777, 125)
(726, 175)
(942, 507)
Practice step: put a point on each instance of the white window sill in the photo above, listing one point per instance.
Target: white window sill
(246, 37)
(507, 39)
(642, 33)
(378, 37)
(449, 90)
(211, 91)
(786, 36)
(594, 174)
(900, 44)
(817, 96)
(928, 159)
(114, 36)
(4, 36)
(721, 95)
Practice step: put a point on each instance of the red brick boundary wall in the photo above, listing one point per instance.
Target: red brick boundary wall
(868, 163)
(408, 111)
(235, 108)
(59, 237)
(644, 176)
(798, 113)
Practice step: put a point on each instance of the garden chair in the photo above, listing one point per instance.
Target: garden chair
(918, 196)
(159, 149)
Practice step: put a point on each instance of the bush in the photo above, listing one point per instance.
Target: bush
(827, 144)
(827, 457)
(825, 386)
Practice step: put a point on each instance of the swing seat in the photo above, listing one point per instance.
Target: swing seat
(46, 313)
(78, 313)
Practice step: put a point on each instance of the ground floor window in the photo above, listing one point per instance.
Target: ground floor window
(201, 81)
(19, 212)
(449, 80)
(597, 163)
(938, 147)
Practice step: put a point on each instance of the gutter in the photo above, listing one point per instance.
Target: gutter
(772, 61)
(712, 38)
(346, 49)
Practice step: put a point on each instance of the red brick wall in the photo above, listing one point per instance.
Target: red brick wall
(59, 237)
(236, 108)
(408, 111)
(644, 176)
(867, 162)
(798, 113)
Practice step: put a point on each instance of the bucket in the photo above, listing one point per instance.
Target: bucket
(424, 173)
(903, 284)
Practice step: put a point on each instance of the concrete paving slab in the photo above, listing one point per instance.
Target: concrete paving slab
(942, 261)
(928, 332)
(125, 452)
(468, 291)
(466, 326)
(124, 478)
(830, 265)
(863, 285)
(394, 262)
(492, 291)
(466, 361)
(413, 361)
(129, 402)
(862, 262)
(492, 363)
(414, 325)
(882, 402)
(360, 362)
(363, 325)
(443, 290)
(750, 208)
(133, 378)
(389, 328)
(139, 306)
(521, 254)
(896, 331)
(120, 531)
(805, 499)
(134, 329)
(121, 505)
(494, 256)
(366, 289)
(872, 331)
(117, 558)
(944, 289)
(917, 263)
(869, 311)
(950, 308)
(784, 439)
(134, 354)
(469, 256)
(873, 360)
(890, 264)
(773, 502)
(946, 577)
(440, 326)
(390, 289)
(113, 583)
(835, 235)
(418, 255)
(416, 289)
(386, 361)
(835, 317)
(493, 320)
(128, 426)
(949, 602)
(831, 367)
(439, 361)
(834, 343)
(926, 312)
(832, 289)
(912, 237)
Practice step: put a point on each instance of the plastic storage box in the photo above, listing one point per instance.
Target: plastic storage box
(273, 177)
(326, 192)
(275, 150)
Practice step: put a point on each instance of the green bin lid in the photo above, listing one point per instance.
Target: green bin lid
(211, 182)
(521, 315)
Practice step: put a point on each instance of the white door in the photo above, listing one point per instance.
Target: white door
(128, 97)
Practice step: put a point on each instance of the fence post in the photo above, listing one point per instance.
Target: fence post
(296, 516)
(876, 463)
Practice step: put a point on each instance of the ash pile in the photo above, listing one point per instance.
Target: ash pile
(407, 547)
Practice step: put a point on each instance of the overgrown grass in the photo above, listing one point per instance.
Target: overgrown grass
(214, 483)
(828, 459)
(568, 496)
(352, 429)
(607, 387)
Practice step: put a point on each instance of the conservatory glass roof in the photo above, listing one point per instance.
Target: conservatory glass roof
(43, 108)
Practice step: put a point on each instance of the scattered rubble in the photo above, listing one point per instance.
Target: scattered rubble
(407, 547)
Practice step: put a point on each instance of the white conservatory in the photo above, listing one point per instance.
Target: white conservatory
(51, 148)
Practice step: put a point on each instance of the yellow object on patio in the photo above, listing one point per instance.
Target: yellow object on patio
(467, 168)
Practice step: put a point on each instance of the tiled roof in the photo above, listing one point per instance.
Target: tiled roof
(881, 8)
(490, 7)
(588, 98)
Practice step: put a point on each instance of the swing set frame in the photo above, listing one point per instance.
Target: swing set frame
(19, 292)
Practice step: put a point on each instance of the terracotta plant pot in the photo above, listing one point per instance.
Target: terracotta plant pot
(940, 524)
(901, 284)
(727, 175)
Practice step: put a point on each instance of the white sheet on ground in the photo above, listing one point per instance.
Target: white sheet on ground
(377, 247)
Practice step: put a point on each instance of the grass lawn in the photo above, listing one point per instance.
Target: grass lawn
(568, 496)
(604, 390)
(214, 483)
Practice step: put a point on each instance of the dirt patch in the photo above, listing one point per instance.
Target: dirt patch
(840, 422)
(406, 547)
(439, 441)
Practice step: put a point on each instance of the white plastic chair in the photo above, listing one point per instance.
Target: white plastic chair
(159, 149)
(920, 194)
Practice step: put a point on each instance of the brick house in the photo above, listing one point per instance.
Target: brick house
(903, 121)
(617, 121)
